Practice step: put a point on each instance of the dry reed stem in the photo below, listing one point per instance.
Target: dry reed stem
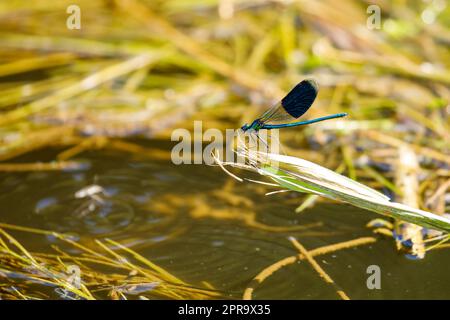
(322, 273)
(89, 82)
(40, 166)
(407, 180)
(35, 140)
(50, 265)
(392, 141)
(192, 48)
(268, 271)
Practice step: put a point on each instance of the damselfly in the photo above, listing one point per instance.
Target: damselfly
(291, 107)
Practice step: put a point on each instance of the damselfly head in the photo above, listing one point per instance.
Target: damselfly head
(245, 127)
(255, 125)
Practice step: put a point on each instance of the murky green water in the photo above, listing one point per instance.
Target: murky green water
(177, 217)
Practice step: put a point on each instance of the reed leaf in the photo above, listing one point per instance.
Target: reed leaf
(300, 175)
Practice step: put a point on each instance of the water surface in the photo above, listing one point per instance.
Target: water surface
(200, 226)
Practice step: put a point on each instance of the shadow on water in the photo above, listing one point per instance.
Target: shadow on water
(200, 226)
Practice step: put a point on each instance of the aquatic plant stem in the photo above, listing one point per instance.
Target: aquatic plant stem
(318, 268)
(268, 271)
(407, 180)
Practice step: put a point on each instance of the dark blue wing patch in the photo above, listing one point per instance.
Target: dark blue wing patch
(300, 98)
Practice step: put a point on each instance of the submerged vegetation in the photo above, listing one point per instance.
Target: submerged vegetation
(139, 69)
(132, 275)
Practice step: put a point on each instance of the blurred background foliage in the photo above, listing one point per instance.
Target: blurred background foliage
(141, 68)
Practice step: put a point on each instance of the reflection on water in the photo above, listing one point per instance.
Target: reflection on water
(200, 226)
